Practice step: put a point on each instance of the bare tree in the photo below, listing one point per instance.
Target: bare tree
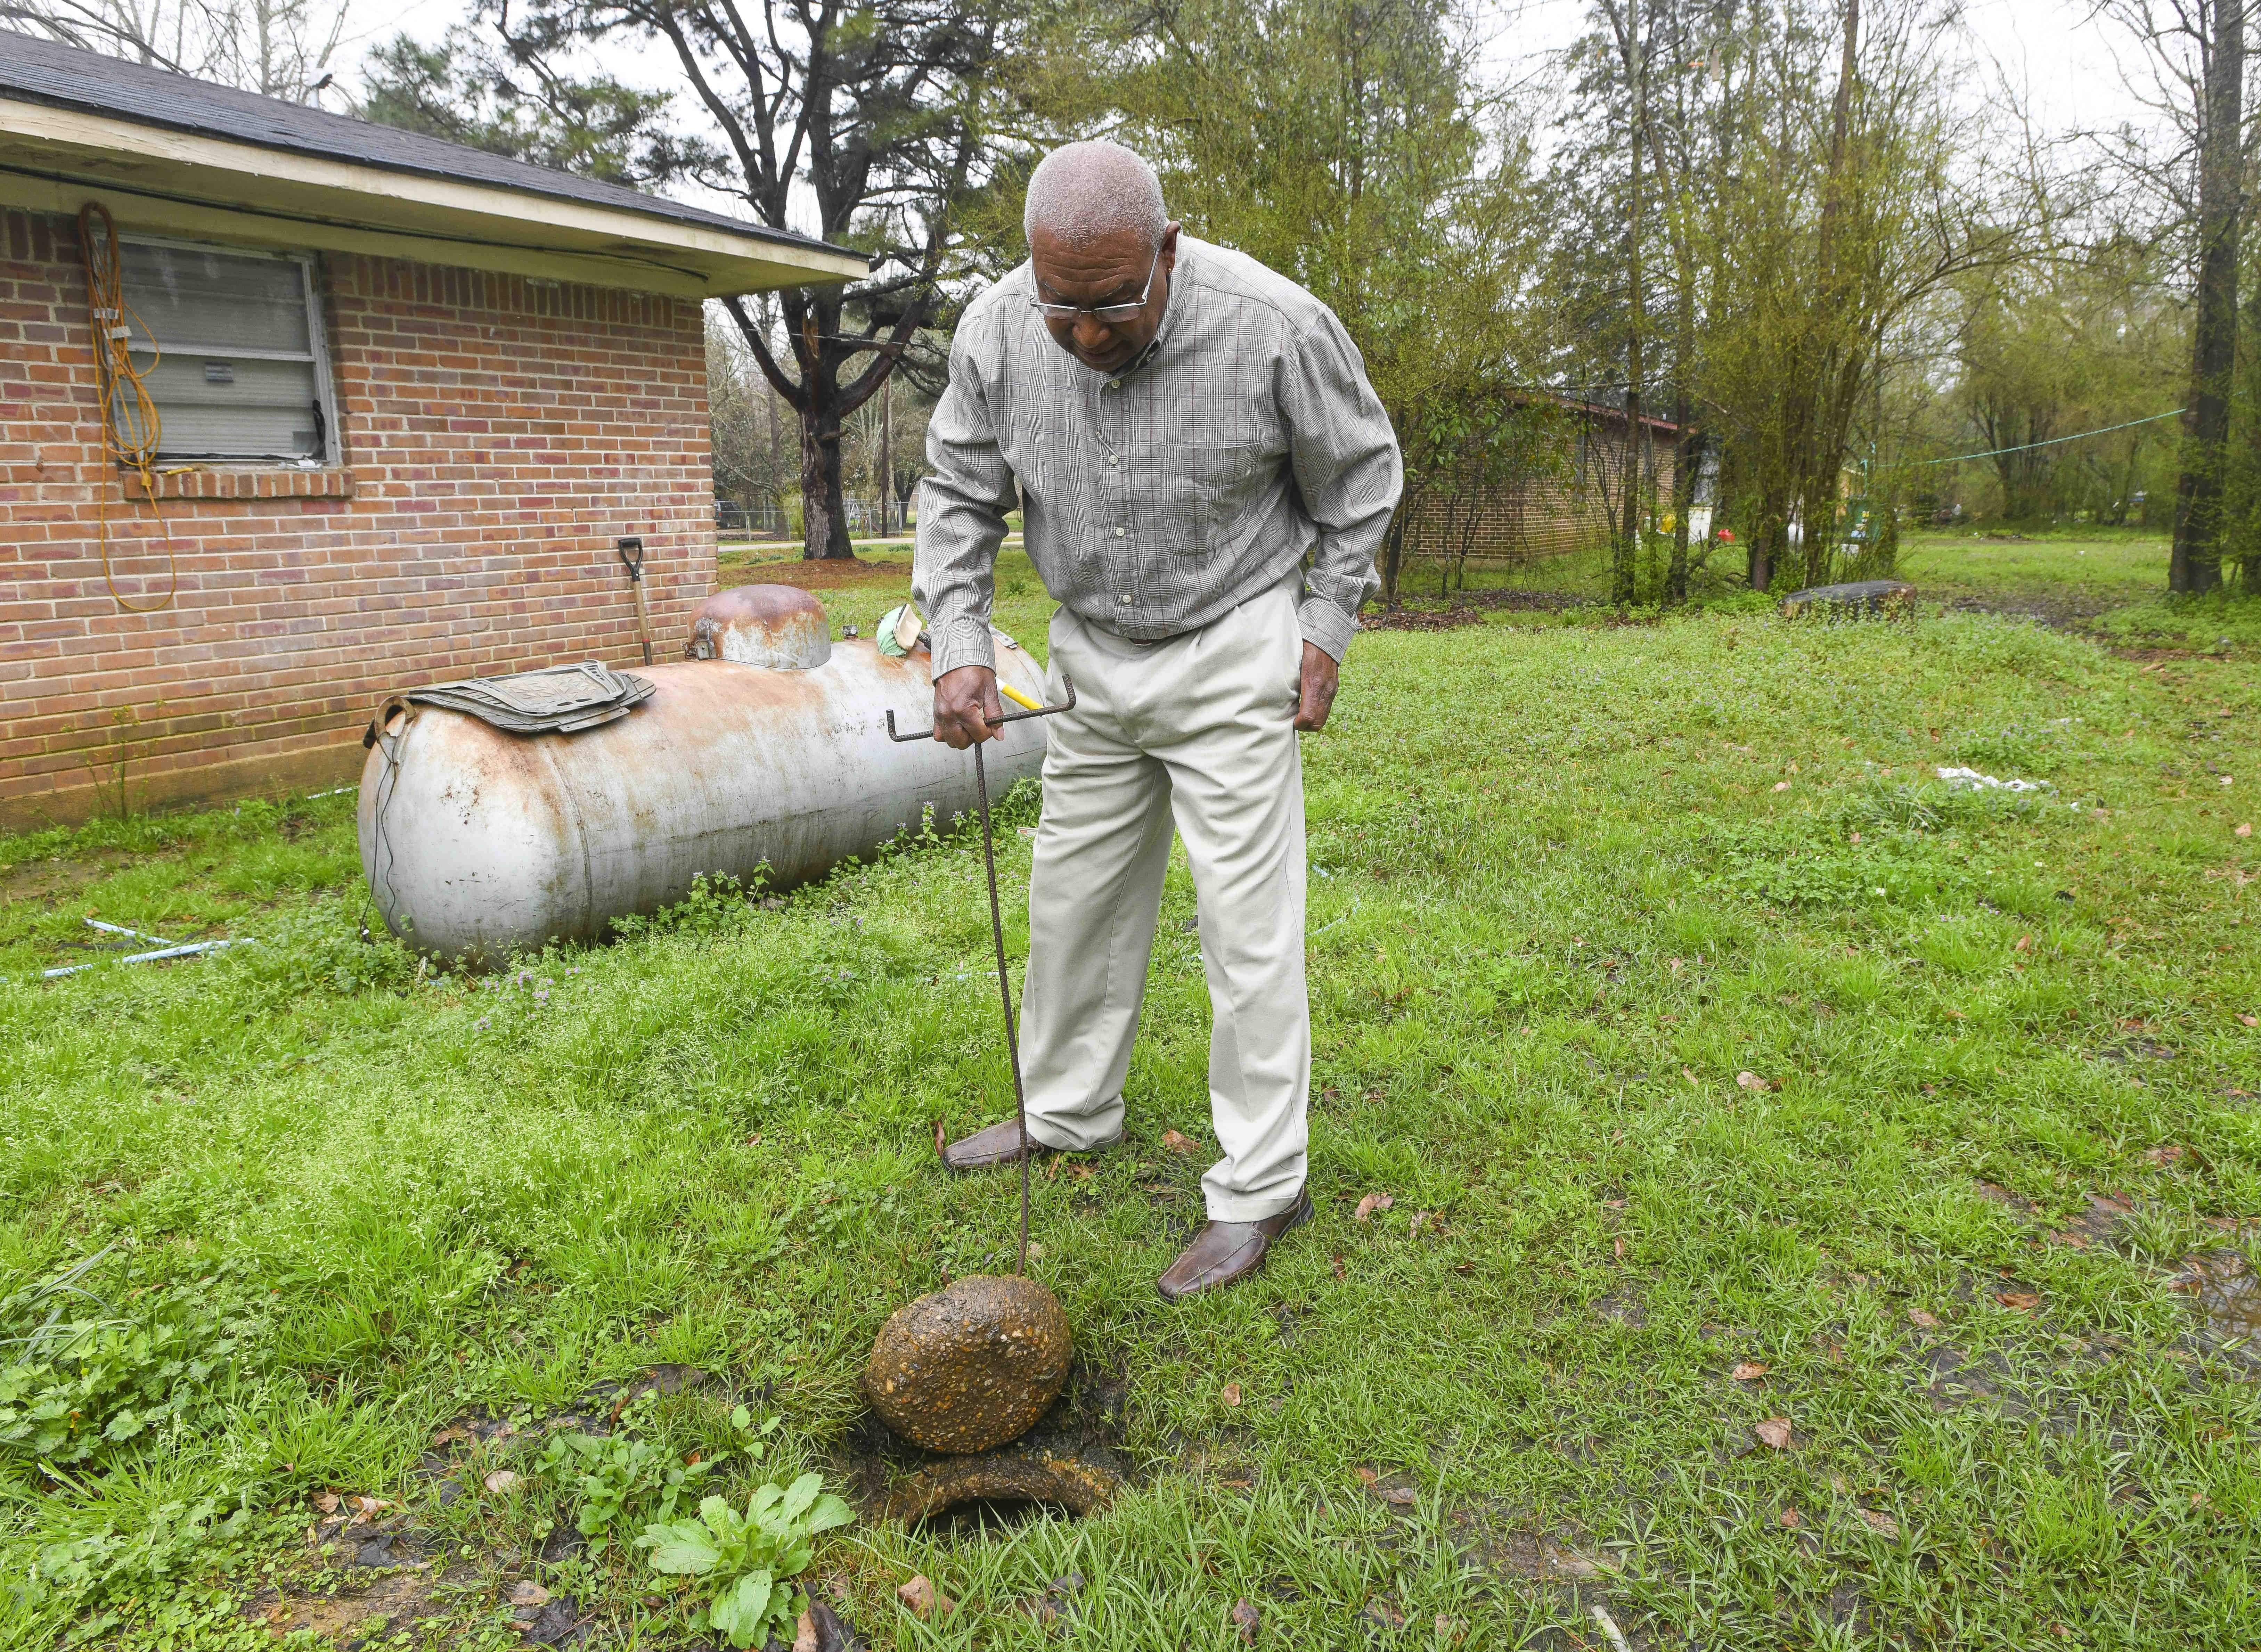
(279, 48)
(862, 123)
(2194, 79)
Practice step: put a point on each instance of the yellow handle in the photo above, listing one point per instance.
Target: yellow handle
(1016, 696)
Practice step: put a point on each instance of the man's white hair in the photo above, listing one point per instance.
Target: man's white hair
(1083, 192)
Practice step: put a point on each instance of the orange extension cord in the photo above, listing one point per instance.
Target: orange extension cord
(130, 425)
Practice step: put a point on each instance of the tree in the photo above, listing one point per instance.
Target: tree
(278, 49)
(511, 98)
(1348, 144)
(863, 121)
(2195, 51)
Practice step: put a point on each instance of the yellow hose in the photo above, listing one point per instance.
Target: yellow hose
(130, 426)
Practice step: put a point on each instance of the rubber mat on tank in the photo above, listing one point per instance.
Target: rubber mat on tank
(556, 700)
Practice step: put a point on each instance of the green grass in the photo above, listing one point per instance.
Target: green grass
(1571, 882)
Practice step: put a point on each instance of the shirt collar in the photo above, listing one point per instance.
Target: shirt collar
(1172, 307)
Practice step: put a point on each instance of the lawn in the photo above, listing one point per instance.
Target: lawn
(1818, 1199)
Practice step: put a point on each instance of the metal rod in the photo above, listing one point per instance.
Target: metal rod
(997, 930)
(998, 722)
(1005, 991)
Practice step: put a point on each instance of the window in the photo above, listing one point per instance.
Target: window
(239, 371)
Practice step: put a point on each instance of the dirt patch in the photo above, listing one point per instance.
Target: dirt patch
(828, 574)
(388, 1601)
(2057, 610)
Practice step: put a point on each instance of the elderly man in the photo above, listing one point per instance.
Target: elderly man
(1205, 475)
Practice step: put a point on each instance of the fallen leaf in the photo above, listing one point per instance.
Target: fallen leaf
(1367, 1477)
(1401, 1497)
(526, 1592)
(326, 1501)
(1857, 838)
(1881, 1523)
(1422, 1220)
(1748, 1371)
(1372, 1203)
(501, 1482)
(1177, 1143)
(1335, 1262)
(1790, 1518)
(1782, 786)
(924, 1600)
(2023, 1301)
(2078, 1241)
(1620, 1244)
(803, 1633)
(1753, 1082)
(1691, 1077)
(1230, 1394)
(1774, 1431)
(2165, 1155)
(941, 1138)
(2250, 1021)
(1246, 1621)
(2245, 831)
(2025, 944)
(451, 1434)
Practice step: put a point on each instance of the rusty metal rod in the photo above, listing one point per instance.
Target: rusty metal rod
(1005, 991)
(997, 932)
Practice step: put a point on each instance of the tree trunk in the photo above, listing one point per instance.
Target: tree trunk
(1623, 563)
(823, 502)
(2195, 563)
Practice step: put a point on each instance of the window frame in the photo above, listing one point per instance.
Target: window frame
(331, 455)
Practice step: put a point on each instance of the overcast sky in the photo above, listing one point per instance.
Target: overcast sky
(2063, 66)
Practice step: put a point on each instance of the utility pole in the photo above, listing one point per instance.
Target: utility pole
(886, 445)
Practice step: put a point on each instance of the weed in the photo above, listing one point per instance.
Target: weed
(746, 1561)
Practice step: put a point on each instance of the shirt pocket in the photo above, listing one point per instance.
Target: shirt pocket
(1229, 482)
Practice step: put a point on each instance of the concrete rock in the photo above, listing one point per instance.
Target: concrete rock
(972, 1366)
(1889, 598)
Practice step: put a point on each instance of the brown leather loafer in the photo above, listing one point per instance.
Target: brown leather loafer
(1223, 1252)
(985, 1149)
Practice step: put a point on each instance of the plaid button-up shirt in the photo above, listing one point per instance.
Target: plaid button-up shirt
(1159, 496)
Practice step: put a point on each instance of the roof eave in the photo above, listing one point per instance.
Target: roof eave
(171, 181)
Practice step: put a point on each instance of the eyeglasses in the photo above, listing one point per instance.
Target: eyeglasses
(1109, 313)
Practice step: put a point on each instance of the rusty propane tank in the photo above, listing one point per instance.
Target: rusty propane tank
(764, 755)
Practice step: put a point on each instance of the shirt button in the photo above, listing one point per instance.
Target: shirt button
(1120, 532)
(1126, 598)
(1114, 459)
(1114, 384)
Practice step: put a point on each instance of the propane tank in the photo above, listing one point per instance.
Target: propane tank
(765, 757)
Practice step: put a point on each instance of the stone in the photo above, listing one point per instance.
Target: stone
(1890, 598)
(972, 1366)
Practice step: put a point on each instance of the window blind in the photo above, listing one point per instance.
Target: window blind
(236, 374)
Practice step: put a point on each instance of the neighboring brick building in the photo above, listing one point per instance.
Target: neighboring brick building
(1569, 508)
(424, 392)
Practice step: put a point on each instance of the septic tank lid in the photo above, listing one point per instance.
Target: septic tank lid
(781, 626)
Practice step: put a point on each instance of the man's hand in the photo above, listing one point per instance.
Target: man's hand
(966, 698)
(1317, 698)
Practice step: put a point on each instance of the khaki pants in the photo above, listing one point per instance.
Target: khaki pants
(1196, 732)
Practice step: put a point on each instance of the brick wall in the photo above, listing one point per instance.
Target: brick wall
(497, 435)
(1548, 517)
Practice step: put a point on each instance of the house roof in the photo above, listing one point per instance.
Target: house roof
(73, 120)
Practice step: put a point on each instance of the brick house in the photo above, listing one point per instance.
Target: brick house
(409, 398)
(1553, 515)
